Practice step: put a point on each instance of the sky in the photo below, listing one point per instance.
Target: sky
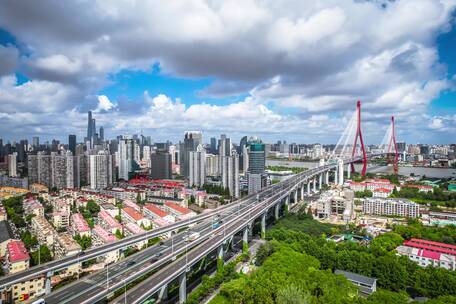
(280, 70)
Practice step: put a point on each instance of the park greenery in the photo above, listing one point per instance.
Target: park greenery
(295, 170)
(414, 229)
(214, 189)
(15, 211)
(438, 196)
(83, 241)
(364, 193)
(296, 265)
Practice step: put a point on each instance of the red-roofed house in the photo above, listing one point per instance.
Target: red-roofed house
(18, 257)
(153, 212)
(381, 192)
(100, 237)
(133, 216)
(421, 188)
(178, 211)
(79, 225)
(108, 222)
(427, 257)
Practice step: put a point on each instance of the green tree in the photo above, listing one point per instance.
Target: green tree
(42, 255)
(92, 207)
(291, 294)
(28, 239)
(382, 296)
(84, 241)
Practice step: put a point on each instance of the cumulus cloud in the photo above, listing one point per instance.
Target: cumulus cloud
(297, 61)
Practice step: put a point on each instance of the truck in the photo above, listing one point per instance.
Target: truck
(193, 236)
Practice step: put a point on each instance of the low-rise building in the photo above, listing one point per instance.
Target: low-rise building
(421, 188)
(177, 211)
(366, 285)
(382, 192)
(397, 207)
(66, 245)
(153, 212)
(17, 256)
(132, 229)
(32, 206)
(131, 215)
(60, 219)
(109, 223)
(428, 253)
(43, 231)
(79, 225)
(100, 236)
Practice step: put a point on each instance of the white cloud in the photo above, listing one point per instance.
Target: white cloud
(104, 104)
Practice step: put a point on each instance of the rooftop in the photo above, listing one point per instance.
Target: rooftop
(156, 210)
(134, 214)
(17, 251)
(178, 208)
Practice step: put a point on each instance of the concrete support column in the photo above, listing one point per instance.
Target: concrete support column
(296, 196)
(245, 235)
(48, 282)
(308, 188)
(182, 288)
(320, 180)
(263, 225)
(348, 170)
(163, 293)
(302, 192)
(276, 211)
(336, 175)
(287, 203)
(314, 185)
(221, 252)
(341, 171)
(327, 177)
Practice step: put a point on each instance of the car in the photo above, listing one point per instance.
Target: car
(161, 243)
(153, 260)
(131, 263)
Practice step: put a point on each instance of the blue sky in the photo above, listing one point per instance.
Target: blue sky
(250, 69)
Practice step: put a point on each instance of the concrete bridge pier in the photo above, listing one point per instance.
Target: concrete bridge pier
(296, 196)
(308, 188)
(340, 163)
(263, 225)
(320, 180)
(182, 288)
(163, 293)
(348, 170)
(287, 203)
(48, 282)
(302, 191)
(336, 175)
(327, 177)
(276, 211)
(314, 185)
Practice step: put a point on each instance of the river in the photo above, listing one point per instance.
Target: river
(417, 171)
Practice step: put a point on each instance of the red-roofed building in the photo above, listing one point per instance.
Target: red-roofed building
(421, 188)
(79, 225)
(106, 221)
(18, 257)
(428, 253)
(382, 192)
(178, 211)
(153, 212)
(100, 237)
(133, 216)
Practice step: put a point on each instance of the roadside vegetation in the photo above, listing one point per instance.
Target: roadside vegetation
(295, 170)
(296, 266)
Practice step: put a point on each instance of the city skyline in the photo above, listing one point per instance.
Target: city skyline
(163, 80)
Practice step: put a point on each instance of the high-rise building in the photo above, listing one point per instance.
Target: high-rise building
(72, 143)
(212, 165)
(32, 168)
(101, 134)
(160, 165)
(127, 155)
(256, 170)
(89, 126)
(44, 169)
(58, 167)
(70, 173)
(100, 170)
(225, 146)
(35, 141)
(81, 170)
(400, 147)
(12, 165)
(213, 145)
(197, 166)
(242, 145)
(192, 139)
(230, 173)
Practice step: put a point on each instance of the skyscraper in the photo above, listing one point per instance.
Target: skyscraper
(225, 146)
(230, 173)
(213, 145)
(101, 134)
(257, 160)
(242, 145)
(197, 166)
(192, 139)
(12, 164)
(89, 126)
(35, 141)
(127, 156)
(72, 144)
(160, 165)
(100, 170)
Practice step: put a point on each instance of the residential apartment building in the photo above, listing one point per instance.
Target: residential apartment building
(397, 207)
(43, 231)
(79, 225)
(101, 236)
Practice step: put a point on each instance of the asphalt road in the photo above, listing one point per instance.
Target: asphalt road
(143, 290)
